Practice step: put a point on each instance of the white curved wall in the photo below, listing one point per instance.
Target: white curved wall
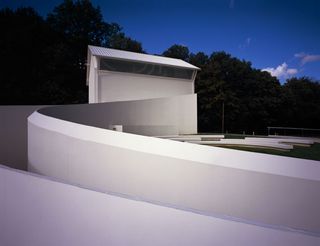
(162, 116)
(269, 190)
(60, 214)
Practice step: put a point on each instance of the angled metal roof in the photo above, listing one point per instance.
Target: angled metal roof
(127, 55)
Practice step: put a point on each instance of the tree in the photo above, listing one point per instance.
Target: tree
(50, 54)
(250, 98)
(77, 24)
(301, 103)
(199, 60)
(24, 63)
(122, 42)
(177, 51)
(80, 23)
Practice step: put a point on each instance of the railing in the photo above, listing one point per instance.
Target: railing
(293, 131)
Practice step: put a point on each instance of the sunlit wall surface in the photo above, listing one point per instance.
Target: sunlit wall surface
(56, 213)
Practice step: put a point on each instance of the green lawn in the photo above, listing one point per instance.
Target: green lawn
(312, 153)
(241, 136)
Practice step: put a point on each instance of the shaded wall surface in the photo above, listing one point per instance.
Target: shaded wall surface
(127, 87)
(56, 213)
(13, 135)
(161, 116)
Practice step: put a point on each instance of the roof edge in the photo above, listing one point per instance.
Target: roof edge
(125, 55)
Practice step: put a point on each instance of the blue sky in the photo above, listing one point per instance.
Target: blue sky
(281, 36)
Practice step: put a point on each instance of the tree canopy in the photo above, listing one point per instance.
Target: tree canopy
(51, 52)
(249, 97)
(122, 42)
(177, 51)
(43, 61)
(301, 103)
(24, 39)
(252, 99)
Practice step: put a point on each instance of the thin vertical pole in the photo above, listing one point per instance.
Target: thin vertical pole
(222, 122)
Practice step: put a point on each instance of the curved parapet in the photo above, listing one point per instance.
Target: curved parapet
(56, 213)
(72, 143)
(161, 116)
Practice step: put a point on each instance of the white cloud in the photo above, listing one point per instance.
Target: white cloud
(299, 55)
(306, 58)
(282, 71)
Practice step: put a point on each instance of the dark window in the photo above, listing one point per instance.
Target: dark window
(145, 68)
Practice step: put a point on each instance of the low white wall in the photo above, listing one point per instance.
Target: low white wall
(162, 116)
(13, 135)
(114, 87)
(37, 211)
(267, 189)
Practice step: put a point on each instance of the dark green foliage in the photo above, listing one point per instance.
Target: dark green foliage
(24, 39)
(177, 51)
(76, 24)
(43, 61)
(252, 99)
(121, 42)
(200, 59)
(301, 103)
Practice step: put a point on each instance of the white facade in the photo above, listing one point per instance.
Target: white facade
(126, 87)
(149, 80)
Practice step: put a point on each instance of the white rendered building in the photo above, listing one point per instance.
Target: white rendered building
(116, 75)
(168, 84)
(89, 185)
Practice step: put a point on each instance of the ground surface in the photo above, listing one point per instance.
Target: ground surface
(311, 153)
